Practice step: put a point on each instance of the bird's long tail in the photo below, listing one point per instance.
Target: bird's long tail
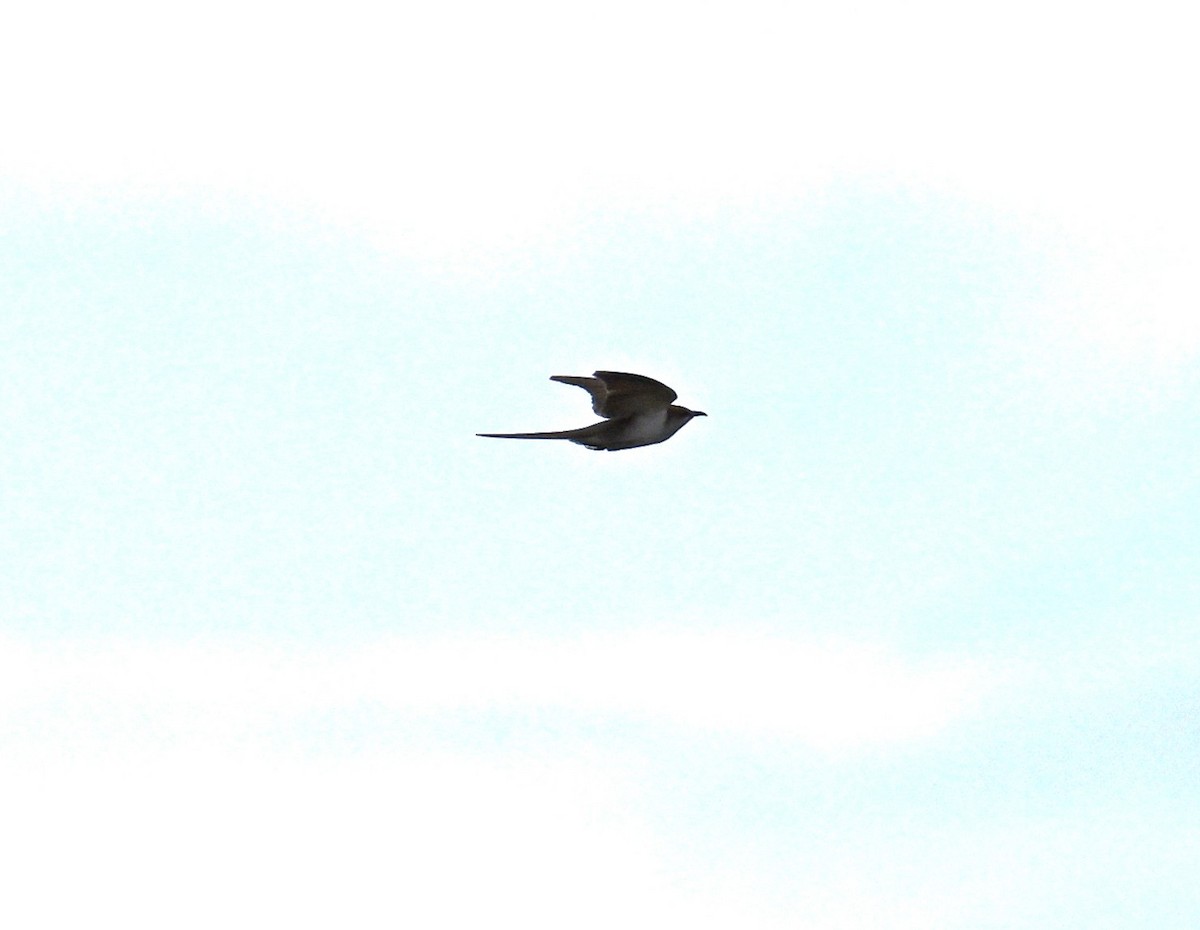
(582, 433)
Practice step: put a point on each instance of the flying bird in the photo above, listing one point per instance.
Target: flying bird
(638, 411)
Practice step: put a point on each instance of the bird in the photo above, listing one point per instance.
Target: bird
(638, 411)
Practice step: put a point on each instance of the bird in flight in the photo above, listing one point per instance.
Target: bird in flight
(638, 411)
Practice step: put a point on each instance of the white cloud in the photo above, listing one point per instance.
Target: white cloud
(451, 129)
(447, 123)
(1118, 326)
(830, 696)
(1141, 310)
(151, 778)
(198, 839)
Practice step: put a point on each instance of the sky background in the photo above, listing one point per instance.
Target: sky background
(903, 635)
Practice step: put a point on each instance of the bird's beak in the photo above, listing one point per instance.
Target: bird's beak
(699, 413)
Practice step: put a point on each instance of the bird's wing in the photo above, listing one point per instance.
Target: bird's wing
(593, 386)
(626, 394)
(616, 394)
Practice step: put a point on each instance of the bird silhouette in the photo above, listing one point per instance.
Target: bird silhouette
(638, 411)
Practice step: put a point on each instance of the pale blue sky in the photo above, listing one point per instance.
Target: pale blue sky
(902, 635)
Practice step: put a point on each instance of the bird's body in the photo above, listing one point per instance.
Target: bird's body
(638, 412)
